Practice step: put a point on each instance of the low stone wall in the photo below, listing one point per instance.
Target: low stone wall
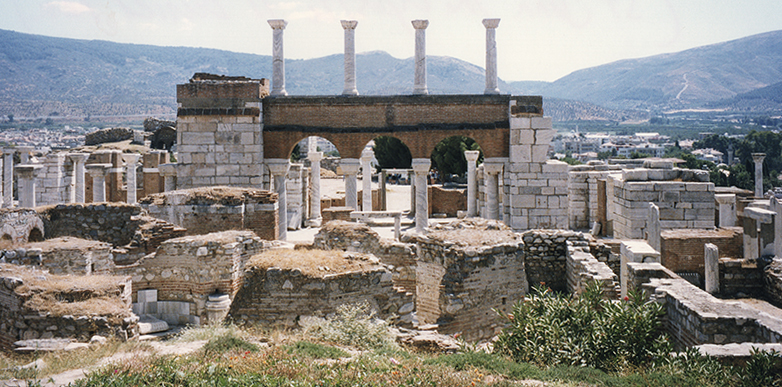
(583, 268)
(68, 255)
(741, 277)
(773, 281)
(694, 317)
(35, 305)
(20, 225)
(545, 256)
(358, 237)
(108, 135)
(606, 251)
(213, 209)
(447, 201)
(682, 249)
(463, 282)
(280, 292)
(186, 270)
(114, 223)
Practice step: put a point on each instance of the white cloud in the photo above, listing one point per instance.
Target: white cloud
(70, 7)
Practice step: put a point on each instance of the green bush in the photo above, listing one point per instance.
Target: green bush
(354, 325)
(548, 329)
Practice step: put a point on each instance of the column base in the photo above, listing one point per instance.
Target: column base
(350, 92)
(421, 91)
(491, 91)
(317, 222)
(279, 93)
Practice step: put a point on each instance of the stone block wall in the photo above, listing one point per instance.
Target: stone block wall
(186, 270)
(773, 281)
(68, 255)
(282, 296)
(682, 249)
(298, 198)
(545, 256)
(23, 316)
(741, 277)
(212, 209)
(685, 198)
(583, 268)
(583, 193)
(53, 183)
(694, 317)
(461, 287)
(114, 223)
(536, 188)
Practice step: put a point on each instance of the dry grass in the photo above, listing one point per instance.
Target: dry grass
(227, 196)
(315, 263)
(65, 294)
(475, 237)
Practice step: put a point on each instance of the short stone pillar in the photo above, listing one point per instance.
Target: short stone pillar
(26, 176)
(315, 218)
(421, 170)
(366, 179)
(472, 182)
(278, 58)
(711, 260)
(754, 242)
(653, 236)
(278, 168)
(727, 206)
(8, 177)
(634, 251)
(350, 170)
(217, 306)
(24, 153)
(492, 85)
(350, 57)
(78, 160)
(131, 163)
(758, 159)
(419, 86)
(168, 171)
(98, 173)
(491, 180)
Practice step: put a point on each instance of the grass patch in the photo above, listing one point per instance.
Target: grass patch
(315, 263)
(314, 350)
(353, 325)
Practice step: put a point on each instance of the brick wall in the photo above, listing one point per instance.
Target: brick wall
(682, 249)
(114, 223)
(447, 201)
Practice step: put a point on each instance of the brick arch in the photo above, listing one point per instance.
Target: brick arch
(494, 142)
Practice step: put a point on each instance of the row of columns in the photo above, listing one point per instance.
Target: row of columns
(419, 85)
(25, 172)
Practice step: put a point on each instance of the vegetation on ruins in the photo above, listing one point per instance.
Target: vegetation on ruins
(448, 155)
(391, 153)
(741, 174)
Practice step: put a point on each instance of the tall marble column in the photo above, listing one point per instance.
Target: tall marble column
(350, 170)
(168, 171)
(366, 181)
(26, 176)
(78, 159)
(8, 177)
(491, 56)
(472, 183)
(278, 58)
(491, 180)
(350, 57)
(131, 163)
(421, 170)
(315, 218)
(420, 56)
(278, 168)
(758, 159)
(98, 173)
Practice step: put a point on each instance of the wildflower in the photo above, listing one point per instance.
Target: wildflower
(627, 298)
(456, 335)
(394, 361)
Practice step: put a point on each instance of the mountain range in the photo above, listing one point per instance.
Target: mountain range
(45, 76)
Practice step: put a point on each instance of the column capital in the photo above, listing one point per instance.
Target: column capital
(421, 165)
(420, 24)
(367, 155)
(726, 198)
(758, 157)
(27, 170)
(131, 158)
(278, 167)
(97, 170)
(491, 23)
(277, 24)
(78, 157)
(28, 149)
(315, 156)
(492, 167)
(350, 166)
(472, 155)
(9, 151)
(349, 24)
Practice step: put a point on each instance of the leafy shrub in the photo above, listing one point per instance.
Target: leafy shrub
(226, 343)
(318, 351)
(354, 325)
(548, 329)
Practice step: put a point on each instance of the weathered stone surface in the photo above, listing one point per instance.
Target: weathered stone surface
(103, 136)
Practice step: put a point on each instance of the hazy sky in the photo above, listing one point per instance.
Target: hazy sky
(536, 39)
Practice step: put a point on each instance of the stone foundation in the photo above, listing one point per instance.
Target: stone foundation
(682, 249)
(545, 256)
(68, 255)
(20, 225)
(114, 223)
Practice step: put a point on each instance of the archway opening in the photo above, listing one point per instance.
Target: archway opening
(35, 235)
(448, 177)
(393, 165)
(6, 241)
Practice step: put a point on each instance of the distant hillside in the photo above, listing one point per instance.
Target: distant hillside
(570, 110)
(764, 99)
(689, 78)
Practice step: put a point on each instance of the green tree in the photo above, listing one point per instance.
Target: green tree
(391, 152)
(10, 118)
(296, 154)
(448, 155)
